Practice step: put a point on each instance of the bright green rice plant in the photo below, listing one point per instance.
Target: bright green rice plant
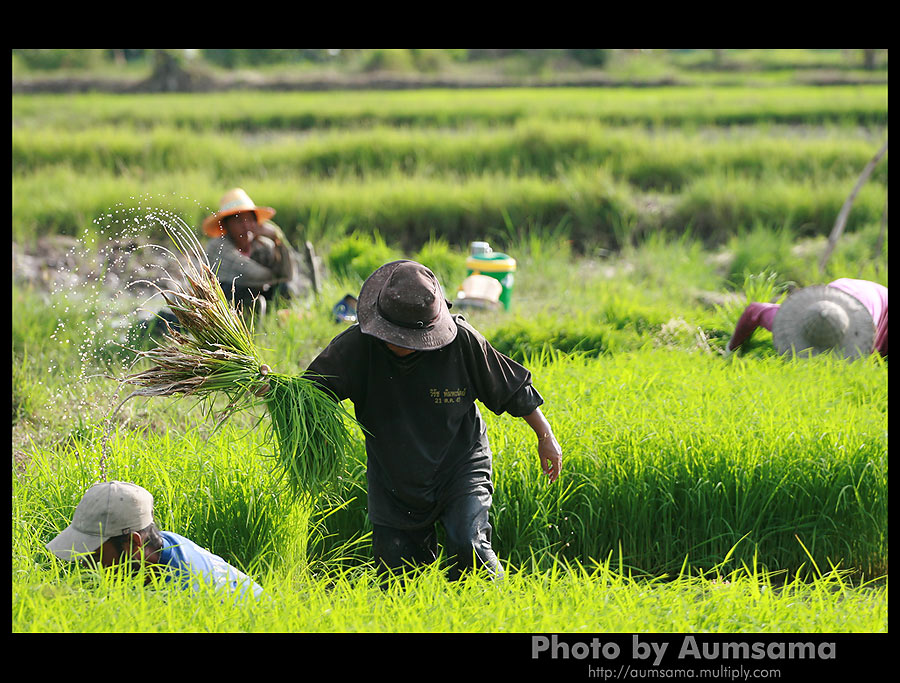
(213, 354)
(764, 248)
(448, 264)
(358, 255)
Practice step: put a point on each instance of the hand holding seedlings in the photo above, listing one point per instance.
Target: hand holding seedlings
(213, 354)
(263, 388)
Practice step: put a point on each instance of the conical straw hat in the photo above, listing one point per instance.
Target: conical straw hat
(232, 202)
(820, 318)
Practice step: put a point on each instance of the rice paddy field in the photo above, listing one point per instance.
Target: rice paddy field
(698, 493)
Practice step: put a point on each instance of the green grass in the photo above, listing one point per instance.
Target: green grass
(597, 210)
(715, 446)
(680, 468)
(594, 599)
(668, 159)
(217, 489)
(403, 209)
(860, 105)
(606, 164)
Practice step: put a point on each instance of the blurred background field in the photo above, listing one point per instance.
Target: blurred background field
(338, 68)
(647, 196)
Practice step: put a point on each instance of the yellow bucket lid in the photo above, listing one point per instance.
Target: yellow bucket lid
(497, 263)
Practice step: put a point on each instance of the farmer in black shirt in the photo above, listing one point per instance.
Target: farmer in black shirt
(413, 372)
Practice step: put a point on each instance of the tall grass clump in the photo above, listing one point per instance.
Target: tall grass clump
(448, 264)
(566, 597)
(669, 457)
(666, 160)
(715, 206)
(358, 255)
(764, 248)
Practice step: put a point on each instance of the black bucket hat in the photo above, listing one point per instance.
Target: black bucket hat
(402, 303)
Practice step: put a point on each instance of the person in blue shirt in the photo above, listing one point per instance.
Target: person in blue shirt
(113, 525)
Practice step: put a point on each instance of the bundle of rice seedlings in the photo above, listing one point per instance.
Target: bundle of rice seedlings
(213, 355)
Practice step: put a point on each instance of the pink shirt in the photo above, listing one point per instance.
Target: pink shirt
(872, 295)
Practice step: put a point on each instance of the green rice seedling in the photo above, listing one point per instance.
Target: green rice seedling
(763, 248)
(715, 206)
(448, 264)
(358, 255)
(521, 337)
(213, 354)
(668, 455)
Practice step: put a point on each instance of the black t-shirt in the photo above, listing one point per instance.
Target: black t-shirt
(426, 441)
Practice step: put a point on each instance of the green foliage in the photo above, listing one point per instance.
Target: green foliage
(763, 248)
(598, 58)
(49, 60)
(667, 161)
(861, 254)
(26, 400)
(565, 597)
(655, 438)
(358, 255)
(448, 264)
(676, 462)
(525, 338)
(716, 209)
(233, 58)
(389, 60)
(406, 210)
(842, 106)
(413, 169)
(432, 61)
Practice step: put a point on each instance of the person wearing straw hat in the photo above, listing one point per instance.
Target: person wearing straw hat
(413, 372)
(113, 525)
(249, 252)
(846, 316)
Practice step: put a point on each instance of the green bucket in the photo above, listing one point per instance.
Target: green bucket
(498, 266)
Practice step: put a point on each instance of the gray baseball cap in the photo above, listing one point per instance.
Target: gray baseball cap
(107, 509)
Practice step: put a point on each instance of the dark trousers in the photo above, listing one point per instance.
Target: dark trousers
(468, 540)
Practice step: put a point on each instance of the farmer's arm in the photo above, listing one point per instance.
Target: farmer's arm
(232, 267)
(504, 386)
(549, 452)
(274, 253)
(755, 315)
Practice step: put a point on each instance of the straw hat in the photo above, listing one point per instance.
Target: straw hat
(232, 202)
(402, 303)
(817, 319)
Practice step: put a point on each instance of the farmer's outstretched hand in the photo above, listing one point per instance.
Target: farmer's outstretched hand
(549, 452)
(550, 455)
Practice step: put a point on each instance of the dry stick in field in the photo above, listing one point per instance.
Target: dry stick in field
(841, 221)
